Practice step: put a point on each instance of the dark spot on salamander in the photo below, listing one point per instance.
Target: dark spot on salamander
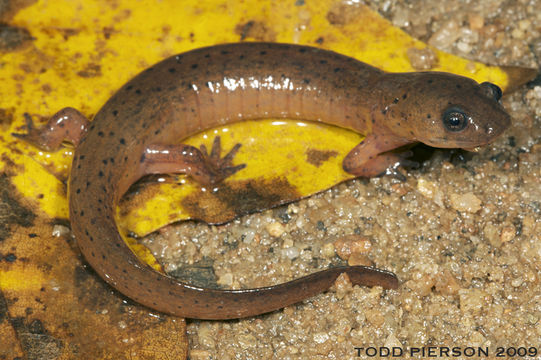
(100, 174)
(337, 69)
(129, 87)
(10, 257)
(428, 116)
(395, 101)
(82, 213)
(142, 159)
(263, 52)
(458, 86)
(81, 157)
(100, 133)
(302, 50)
(122, 141)
(322, 61)
(115, 112)
(318, 157)
(78, 191)
(172, 70)
(157, 132)
(223, 52)
(306, 81)
(111, 133)
(430, 81)
(138, 91)
(194, 66)
(241, 56)
(404, 96)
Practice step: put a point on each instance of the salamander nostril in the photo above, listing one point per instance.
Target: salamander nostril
(492, 91)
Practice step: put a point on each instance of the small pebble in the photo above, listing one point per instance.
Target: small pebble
(508, 233)
(465, 202)
(328, 250)
(446, 35)
(476, 21)
(226, 279)
(427, 188)
(358, 259)
(351, 244)
(275, 229)
(422, 59)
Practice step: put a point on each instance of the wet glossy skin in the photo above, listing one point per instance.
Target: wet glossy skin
(135, 133)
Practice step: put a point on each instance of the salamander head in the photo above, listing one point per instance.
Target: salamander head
(447, 111)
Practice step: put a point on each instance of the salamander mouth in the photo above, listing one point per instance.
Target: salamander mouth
(446, 143)
(473, 146)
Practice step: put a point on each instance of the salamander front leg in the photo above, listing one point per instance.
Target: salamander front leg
(371, 157)
(66, 125)
(198, 163)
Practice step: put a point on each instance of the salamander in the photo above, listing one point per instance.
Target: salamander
(137, 132)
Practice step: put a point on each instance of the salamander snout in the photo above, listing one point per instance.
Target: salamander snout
(491, 90)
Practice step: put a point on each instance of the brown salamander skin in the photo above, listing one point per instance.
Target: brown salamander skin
(137, 133)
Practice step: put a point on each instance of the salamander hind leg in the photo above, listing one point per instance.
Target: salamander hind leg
(372, 157)
(205, 168)
(66, 125)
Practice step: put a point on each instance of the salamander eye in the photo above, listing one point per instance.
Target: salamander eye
(491, 90)
(454, 119)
